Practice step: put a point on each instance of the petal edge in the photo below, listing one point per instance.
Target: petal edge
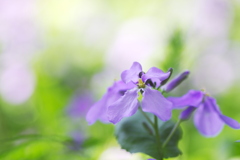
(126, 106)
(132, 73)
(154, 102)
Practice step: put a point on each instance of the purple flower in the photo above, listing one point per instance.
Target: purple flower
(80, 105)
(143, 83)
(99, 110)
(176, 81)
(76, 141)
(207, 118)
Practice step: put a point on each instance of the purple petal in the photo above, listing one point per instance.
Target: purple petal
(213, 103)
(187, 113)
(230, 122)
(207, 120)
(132, 74)
(126, 106)
(80, 105)
(99, 110)
(156, 75)
(192, 98)
(154, 102)
(119, 87)
(170, 70)
(176, 81)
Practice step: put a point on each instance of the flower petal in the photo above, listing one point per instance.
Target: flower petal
(99, 110)
(207, 120)
(154, 102)
(119, 87)
(126, 106)
(170, 70)
(213, 103)
(176, 81)
(192, 98)
(156, 75)
(132, 74)
(230, 122)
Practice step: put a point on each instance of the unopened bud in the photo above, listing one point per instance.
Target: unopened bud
(176, 81)
(187, 113)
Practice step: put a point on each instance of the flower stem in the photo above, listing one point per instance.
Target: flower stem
(157, 135)
(145, 115)
(171, 133)
(156, 129)
(155, 126)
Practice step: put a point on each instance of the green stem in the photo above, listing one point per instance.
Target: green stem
(145, 115)
(155, 126)
(157, 135)
(156, 129)
(171, 133)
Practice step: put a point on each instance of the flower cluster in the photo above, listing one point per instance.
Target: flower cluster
(139, 89)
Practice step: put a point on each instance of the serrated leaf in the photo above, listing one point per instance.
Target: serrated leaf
(133, 136)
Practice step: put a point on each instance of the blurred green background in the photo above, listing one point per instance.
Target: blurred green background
(57, 57)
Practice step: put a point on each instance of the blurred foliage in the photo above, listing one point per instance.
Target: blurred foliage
(173, 53)
(234, 32)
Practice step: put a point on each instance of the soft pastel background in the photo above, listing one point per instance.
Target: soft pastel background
(57, 57)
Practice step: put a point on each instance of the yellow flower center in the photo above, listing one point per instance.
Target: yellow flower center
(141, 84)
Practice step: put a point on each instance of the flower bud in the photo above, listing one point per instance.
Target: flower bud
(187, 113)
(176, 81)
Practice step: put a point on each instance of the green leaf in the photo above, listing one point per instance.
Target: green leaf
(134, 136)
